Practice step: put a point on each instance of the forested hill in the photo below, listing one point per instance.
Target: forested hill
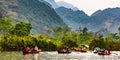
(41, 16)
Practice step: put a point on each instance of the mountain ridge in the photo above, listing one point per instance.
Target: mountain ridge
(71, 17)
(104, 19)
(41, 16)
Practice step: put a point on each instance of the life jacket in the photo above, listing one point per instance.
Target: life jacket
(27, 50)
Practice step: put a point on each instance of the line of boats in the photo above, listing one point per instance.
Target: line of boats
(67, 50)
(102, 51)
(96, 51)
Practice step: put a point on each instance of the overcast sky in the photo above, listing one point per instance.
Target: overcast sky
(90, 6)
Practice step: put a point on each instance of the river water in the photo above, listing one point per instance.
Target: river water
(55, 56)
(79, 56)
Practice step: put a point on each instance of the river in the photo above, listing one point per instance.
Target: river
(55, 56)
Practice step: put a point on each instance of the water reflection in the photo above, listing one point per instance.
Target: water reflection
(55, 56)
(77, 56)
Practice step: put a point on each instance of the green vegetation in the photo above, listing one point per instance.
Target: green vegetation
(5, 25)
(38, 17)
(22, 29)
(13, 37)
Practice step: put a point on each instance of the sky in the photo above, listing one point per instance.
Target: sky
(90, 6)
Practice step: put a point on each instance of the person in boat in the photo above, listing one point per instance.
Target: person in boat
(35, 52)
(25, 51)
(107, 52)
(102, 52)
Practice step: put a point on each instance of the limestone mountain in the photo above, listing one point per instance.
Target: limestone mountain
(108, 18)
(40, 15)
(53, 3)
(72, 18)
(102, 20)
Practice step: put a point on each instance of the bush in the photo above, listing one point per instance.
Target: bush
(1, 49)
(97, 42)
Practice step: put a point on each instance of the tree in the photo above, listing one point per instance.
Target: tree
(80, 29)
(85, 30)
(5, 25)
(69, 41)
(66, 29)
(58, 30)
(1, 16)
(97, 42)
(22, 29)
(119, 30)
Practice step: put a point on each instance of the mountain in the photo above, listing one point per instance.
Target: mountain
(96, 13)
(43, 1)
(59, 4)
(102, 20)
(72, 18)
(106, 21)
(67, 5)
(115, 24)
(53, 3)
(41, 16)
(107, 18)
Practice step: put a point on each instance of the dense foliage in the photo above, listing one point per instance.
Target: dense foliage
(5, 25)
(43, 18)
(13, 37)
(22, 29)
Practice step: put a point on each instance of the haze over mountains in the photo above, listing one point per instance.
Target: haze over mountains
(61, 4)
(67, 5)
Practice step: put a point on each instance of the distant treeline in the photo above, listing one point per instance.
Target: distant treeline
(13, 37)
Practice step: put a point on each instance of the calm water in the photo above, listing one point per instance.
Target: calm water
(56, 56)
